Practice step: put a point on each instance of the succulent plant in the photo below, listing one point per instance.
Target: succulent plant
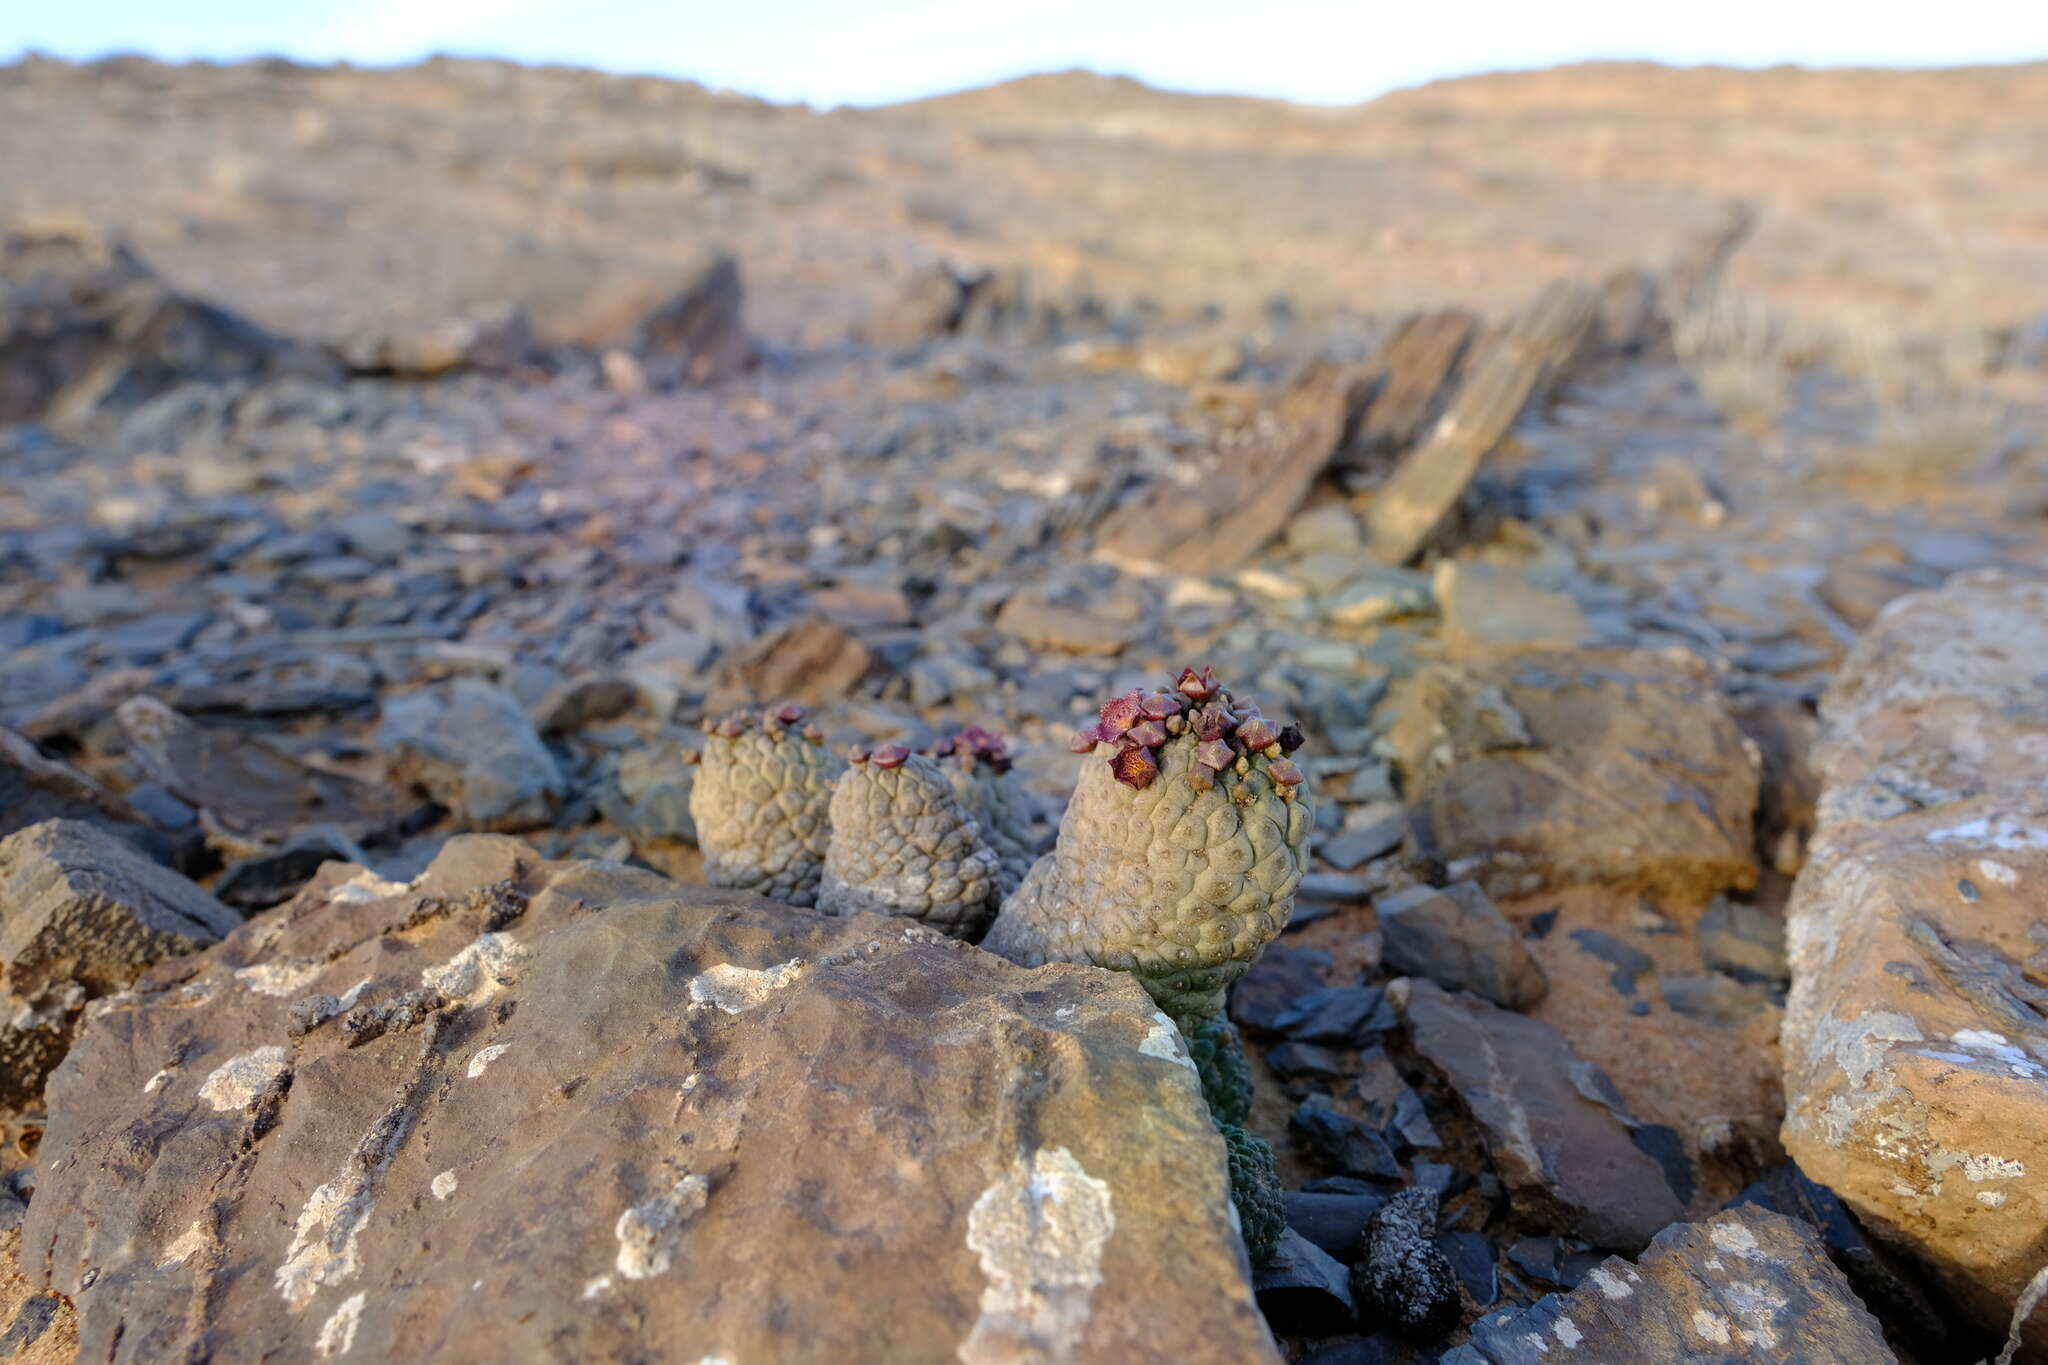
(903, 843)
(1179, 853)
(977, 762)
(1219, 1059)
(760, 801)
(1255, 1191)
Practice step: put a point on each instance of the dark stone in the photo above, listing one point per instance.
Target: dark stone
(1476, 1260)
(259, 883)
(1377, 1349)
(1337, 1014)
(1352, 847)
(1281, 976)
(1290, 1060)
(30, 1322)
(1303, 1291)
(1537, 1257)
(1628, 963)
(1743, 941)
(1668, 1149)
(1343, 1141)
(1457, 937)
(1334, 1222)
(1542, 922)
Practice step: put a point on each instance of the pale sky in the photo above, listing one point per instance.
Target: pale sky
(843, 51)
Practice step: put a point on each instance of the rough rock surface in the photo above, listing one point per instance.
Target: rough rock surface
(1456, 937)
(81, 915)
(471, 747)
(762, 1115)
(1557, 1132)
(1916, 1032)
(1745, 1285)
(1533, 769)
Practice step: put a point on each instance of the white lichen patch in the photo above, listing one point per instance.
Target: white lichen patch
(1733, 1237)
(2001, 832)
(1568, 1333)
(484, 1057)
(1756, 1305)
(158, 1081)
(1991, 1199)
(1164, 1040)
(739, 989)
(1039, 1230)
(1991, 870)
(1859, 1045)
(1610, 1284)
(1711, 1327)
(649, 1233)
(596, 1285)
(290, 977)
(365, 887)
(190, 1243)
(239, 1080)
(443, 1184)
(323, 1249)
(479, 971)
(338, 1334)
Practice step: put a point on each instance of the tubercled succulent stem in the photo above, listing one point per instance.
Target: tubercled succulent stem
(760, 803)
(1179, 854)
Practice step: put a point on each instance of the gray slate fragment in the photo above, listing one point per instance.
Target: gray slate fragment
(1303, 1290)
(1744, 1285)
(471, 747)
(1568, 1158)
(1457, 937)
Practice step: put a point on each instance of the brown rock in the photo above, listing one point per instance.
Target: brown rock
(81, 915)
(1511, 370)
(1534, 769)
(1916, 1033)
(807, 661)
(739, 1147)
(1746, 1284)
(35, 787)
(1556, 1130)
(1242, 493)
(1417, 364)
(1488, 605)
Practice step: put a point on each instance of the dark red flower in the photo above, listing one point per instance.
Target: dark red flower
(789, 713)
(1291, 738)
(1160, 705)
(1134, 767)
(1150, 734)
(1197, 686)
(1258, 733)
(1213, 722)
(1121, 713)
(1084, 741)
(891, 756)
(1215, 753)
(1283, 771)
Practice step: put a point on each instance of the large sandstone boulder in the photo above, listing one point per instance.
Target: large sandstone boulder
(1533, 769)
(527, 1111)
(1916, 1035)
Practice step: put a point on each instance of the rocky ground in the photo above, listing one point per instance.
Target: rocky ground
(403, 468)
